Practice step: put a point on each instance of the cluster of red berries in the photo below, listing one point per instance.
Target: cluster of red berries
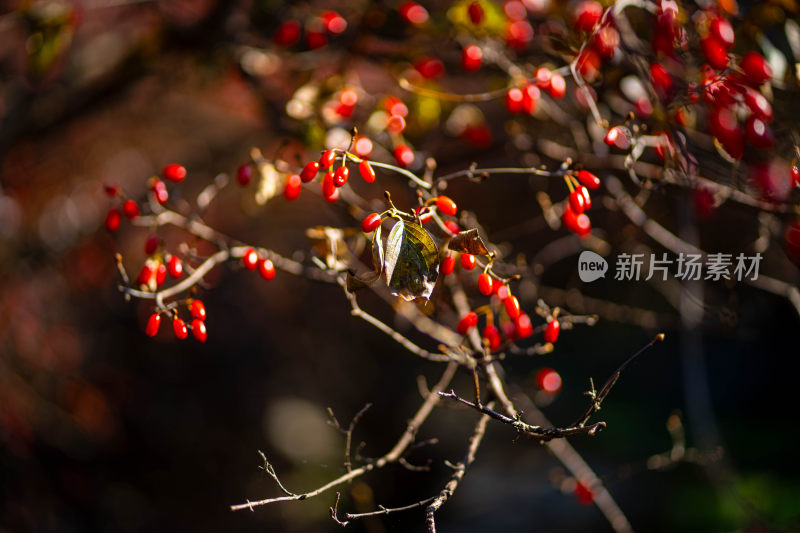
(317, 30)
(174, 172)
(579, 201)
(603, 38)
(526, 98)
(179, 326)
(252, 261)
(332, 180)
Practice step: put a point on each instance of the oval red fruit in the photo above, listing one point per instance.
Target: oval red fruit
(371, 223)
(577, 201)
(153, 324)
(198, 309)
(293, 187)
(266, 269)
(551, 331)
(309, 171)
(175, 266)
(340, 176)
(588, 180)
(366, 171)
(404, 155)
(467, 261)
(244, 174)
(446, 206)
(467, 322)
(475, 12)
(448, 265)
(131, 209)
(113, 220)
(512, 306)
(199, 330)
(755, 67)
(471, 58)
(523, 326)
(179, 327)
(327, 159)
(485, 284)
(250, 259)
(175, 173)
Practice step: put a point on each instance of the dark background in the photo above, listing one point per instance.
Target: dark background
(104, 429)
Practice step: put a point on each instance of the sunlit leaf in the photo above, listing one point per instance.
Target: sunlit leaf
(411, 260)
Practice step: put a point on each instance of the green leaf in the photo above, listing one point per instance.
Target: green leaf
(411, 261)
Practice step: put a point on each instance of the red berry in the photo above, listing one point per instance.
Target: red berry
(448, 264)
(519, 34)
(795, 176)
(755, 67)
(341, 176)
(530, 98)
(758, 133)
(333, 22)
(250, 259)
(244, 174)
(492, 335)
(703, 203)
(362, 146)
(452, 227)
(429, 67)
(111, 190)
(179, 327)
(146, 274)
(722, 30)
(724, 126)
(467, 322)
(404, 155)
(174, 173)
(589, 63)
(151, 245)
(617, 136)
(523, 326)
(113, 220)
(130, 209)
(551, 331)
(327, 159)
(293, 187)
(395, 124)
(475, 12)
(309, 171)
(198, 310)
(395, 106)
(161, 274)
(328, 186)
(577, 201)
(589, 180)
(548, 380)
(333, 197)
(583, 226)
(514, 99)
(413, 13)
(557, 87)
(660, 78)
(199, 330)
(587, 199)
(175, 266)
(446, 206)
(366, 171)
(315, 39)
(152, 325)
(266, 269)
(587, 14)
(471, 58)
(467, 261)
(606, 41)
(485, 284)
(502, 291)
(288, 33)
(160, 191)
(512, 306)
(584, 494)
(371, 223)
(758, 104)
(715, 53)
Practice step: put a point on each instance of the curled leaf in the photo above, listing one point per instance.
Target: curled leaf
(468, 242)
